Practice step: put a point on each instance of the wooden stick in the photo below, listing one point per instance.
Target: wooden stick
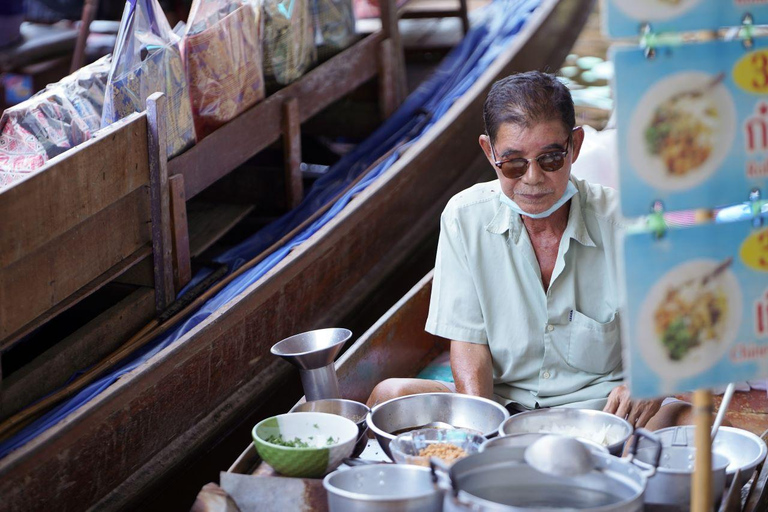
(294, 188)
(701, 488)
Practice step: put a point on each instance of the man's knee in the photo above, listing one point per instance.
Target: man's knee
(395, 388)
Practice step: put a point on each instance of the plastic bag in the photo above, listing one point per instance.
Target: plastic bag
(222, 59)
(85, 90)
(147, 60)
(334, 22)
(289, 40)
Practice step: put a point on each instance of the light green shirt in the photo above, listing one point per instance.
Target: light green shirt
(555, 348)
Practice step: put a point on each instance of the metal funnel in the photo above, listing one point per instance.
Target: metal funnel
(313, 353)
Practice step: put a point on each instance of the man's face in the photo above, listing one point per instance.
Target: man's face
(536, 190)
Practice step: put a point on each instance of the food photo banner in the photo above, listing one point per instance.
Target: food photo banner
(695, 307)
(625, 18)
(692, 124)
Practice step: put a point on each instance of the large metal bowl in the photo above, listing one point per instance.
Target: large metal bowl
(744, 450)
(525, 440)
(391, 418)
(355, 411)
(585, 423)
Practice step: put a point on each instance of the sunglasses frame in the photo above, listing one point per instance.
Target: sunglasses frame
(564, 153)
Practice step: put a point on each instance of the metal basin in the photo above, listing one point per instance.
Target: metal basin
(382, 488)
(580, 423)
(350, 409)
(391, 418)
(744, 450)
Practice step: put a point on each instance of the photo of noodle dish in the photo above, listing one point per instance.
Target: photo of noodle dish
(655, 10)
(682, 130)
(690, 318)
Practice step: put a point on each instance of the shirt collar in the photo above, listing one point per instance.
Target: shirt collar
(506, 220)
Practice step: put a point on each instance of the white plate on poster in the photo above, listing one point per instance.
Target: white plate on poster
(651, 167)
(709, 352)
(655, 10)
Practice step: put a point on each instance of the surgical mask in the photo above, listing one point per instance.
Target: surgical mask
(570, 191)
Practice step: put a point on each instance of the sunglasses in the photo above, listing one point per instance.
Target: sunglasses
(517, 167)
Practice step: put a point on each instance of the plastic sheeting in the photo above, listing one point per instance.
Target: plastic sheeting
(497, 24)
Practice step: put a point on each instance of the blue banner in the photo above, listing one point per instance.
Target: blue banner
(625, 18)
(692, 125)
(695, 311)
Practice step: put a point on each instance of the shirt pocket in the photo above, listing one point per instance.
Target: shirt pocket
(594, 347)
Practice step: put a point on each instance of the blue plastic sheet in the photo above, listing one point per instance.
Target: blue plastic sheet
(497, 24)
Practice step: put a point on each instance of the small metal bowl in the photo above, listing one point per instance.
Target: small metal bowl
(525, 440)
(355, 411)
(405, 448)
(396, 416)
(571, 422)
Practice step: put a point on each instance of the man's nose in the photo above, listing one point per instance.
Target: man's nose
(533, 175)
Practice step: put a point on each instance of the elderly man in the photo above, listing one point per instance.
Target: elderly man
(525, 276)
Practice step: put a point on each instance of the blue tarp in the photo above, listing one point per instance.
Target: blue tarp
(495, 28)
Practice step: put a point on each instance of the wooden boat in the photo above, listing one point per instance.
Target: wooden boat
(156, 418)
(398, 346)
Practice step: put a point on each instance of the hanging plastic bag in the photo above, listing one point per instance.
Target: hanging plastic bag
(147, 60)
(334, 22)
(289, 40)
(85, 90)
(222, 59)
(36, 130)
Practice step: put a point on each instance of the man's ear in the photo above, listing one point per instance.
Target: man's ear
(578, 140)
(485, 143)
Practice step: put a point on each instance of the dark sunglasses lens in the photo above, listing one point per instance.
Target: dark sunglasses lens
(552, 162)
(514, 168)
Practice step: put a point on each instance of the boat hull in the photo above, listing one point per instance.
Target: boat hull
(154, 420)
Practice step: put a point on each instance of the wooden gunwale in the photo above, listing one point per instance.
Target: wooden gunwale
(205, 162)
(152, 419)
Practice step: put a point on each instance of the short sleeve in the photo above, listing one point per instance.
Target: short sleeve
(454, 307)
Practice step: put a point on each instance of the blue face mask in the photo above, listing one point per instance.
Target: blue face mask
(570, 191)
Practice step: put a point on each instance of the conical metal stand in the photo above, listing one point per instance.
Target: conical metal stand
(313, 353)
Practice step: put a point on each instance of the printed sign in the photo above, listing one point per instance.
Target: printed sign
(624, 18)
(696, 308)
(692, 125)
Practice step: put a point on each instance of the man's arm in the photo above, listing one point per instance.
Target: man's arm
(472, 368)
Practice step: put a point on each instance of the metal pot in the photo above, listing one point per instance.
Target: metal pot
(355, 411)
(480, 415)
(563, 420)
(500, 480)
(744, 450)
(670, 487)
(382, 488)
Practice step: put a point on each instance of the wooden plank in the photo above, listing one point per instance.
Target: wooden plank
(72, 187)
(389, 17)
(73, 266)
(294, 188)
(89, 344)
(182, 266)
(387, 87)
(162, 245)
(208, 222)
(240, 139)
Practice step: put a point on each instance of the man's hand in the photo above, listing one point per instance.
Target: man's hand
(637, 412)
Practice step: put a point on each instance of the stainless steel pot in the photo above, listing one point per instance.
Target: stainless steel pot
(382, 488)
(500, 480)
(670, 487)
(744, 450)
(480, 415)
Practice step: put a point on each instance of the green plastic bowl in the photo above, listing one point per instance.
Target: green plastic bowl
(331, 438)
